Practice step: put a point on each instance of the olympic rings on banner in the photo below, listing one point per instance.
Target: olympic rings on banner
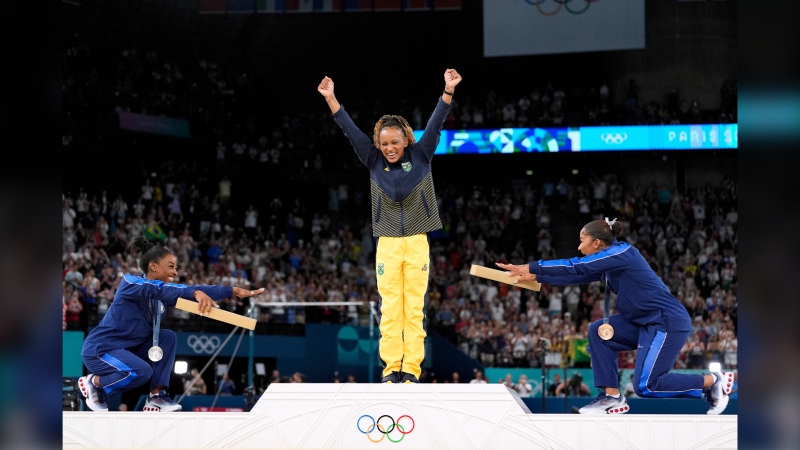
(616, 138)
(386, 431)
(561, 3)
(203, 344)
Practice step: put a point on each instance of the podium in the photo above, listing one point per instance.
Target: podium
(407, 416)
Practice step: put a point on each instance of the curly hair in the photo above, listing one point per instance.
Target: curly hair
(390, 121)
(147, 251)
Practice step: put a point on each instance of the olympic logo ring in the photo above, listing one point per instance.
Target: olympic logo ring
(386, 431)
(561, 4)
(616, 138)
(203, 344)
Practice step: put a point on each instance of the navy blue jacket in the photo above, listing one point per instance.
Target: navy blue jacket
(128, 322)
(402, 193)
(642, 297)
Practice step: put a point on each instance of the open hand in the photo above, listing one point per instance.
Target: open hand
(521, 271)
(242, 292)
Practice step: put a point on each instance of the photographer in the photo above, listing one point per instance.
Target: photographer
(573, 387)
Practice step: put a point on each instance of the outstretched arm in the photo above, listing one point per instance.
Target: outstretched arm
(361, 143)
(523, 271)
(430, 137)
(206, 302)
(326, 89)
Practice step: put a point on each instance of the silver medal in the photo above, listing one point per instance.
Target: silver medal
(155, 353)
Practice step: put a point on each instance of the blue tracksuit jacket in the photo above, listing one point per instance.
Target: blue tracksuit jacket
(128, 321)
(642, 297)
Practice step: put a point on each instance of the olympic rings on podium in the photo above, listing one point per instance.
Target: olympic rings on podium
(386, 430)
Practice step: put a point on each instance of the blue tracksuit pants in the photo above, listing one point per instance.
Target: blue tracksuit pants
(655, 356)
(122, 370)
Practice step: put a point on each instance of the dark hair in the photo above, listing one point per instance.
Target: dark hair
(390, 121)
(146, 251)
(599, 229)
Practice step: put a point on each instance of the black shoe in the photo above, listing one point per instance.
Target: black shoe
(408, 378)
(393, 377)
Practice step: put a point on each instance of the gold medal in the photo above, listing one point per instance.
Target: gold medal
(605, 331)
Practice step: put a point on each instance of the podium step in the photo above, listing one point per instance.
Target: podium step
(408, 416)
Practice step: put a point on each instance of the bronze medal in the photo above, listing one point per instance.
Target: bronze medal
(605, 331)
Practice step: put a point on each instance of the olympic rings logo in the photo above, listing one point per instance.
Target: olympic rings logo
(616, 138)
(203, 344)
(565, 4)
(386, 432)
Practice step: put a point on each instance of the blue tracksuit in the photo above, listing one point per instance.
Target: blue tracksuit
(650, 320)
(116, 350)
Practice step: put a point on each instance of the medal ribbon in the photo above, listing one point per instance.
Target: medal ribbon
(156, 308)
(608, 300)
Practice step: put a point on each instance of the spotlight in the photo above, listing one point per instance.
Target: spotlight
(181, 367)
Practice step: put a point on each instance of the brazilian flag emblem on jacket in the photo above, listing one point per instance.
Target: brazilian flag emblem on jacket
(380, 269)
(406, 166)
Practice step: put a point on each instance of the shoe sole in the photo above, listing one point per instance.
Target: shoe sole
(157, 409)
(621, 410)
(599, 412)
(727, 382)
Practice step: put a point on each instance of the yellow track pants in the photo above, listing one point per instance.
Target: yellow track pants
(402, 269)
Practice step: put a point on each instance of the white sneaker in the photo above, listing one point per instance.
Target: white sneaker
(160, 403)
(719, 392)
(95, 396)
(605, 404)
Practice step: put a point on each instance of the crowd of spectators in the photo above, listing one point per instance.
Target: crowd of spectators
(232, 125)
(689, 238)
(318, 246)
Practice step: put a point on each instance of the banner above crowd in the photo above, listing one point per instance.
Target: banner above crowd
(537, 27)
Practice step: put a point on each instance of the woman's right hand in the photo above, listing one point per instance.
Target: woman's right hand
(325, 87)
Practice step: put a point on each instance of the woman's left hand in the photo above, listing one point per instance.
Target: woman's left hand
(451, 79)
(242, 292)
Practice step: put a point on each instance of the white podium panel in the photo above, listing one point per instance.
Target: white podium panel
(397, 416)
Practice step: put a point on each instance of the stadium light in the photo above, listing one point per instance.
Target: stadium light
(181, 367)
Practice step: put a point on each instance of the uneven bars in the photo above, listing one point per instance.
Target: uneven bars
(281, 304)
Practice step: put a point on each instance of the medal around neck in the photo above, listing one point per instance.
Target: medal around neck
(155, 353)
(605, 331)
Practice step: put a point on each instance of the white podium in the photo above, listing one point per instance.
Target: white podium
(397, 416)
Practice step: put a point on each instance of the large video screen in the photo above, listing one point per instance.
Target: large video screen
(577, 139)
(537, 27)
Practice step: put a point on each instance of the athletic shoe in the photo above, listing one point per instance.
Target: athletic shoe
(160, 403)
(719, 392)
(95, 396)
(393, 377)
(605, 404)
(408, 378)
